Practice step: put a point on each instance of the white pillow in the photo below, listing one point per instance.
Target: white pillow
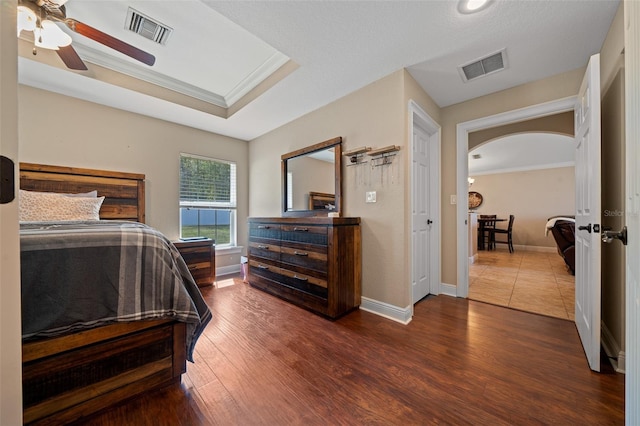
(47, 207)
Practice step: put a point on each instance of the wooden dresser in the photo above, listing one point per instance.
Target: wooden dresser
(200, 257)
(313, 262)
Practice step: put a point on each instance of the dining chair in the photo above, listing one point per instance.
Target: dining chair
(508, 233)
(487, 223)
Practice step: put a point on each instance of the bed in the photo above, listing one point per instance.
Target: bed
(74, 369)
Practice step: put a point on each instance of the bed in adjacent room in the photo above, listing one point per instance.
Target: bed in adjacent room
(109, 308)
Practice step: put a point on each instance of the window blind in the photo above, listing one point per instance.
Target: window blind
(207, 182)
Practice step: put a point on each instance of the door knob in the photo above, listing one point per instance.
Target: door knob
(585, 228)
(429, 221)
(608, 236)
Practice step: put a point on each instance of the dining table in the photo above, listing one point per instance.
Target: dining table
(482, 228)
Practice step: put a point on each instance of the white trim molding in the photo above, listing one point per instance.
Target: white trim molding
(448, 290)
(612, 349)
(223, 100)
(395, 313)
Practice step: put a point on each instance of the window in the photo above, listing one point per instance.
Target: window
(208, 199)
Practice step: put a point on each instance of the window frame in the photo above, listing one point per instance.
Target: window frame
(231, 206)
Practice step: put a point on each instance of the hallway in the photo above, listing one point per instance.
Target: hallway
(536, 282)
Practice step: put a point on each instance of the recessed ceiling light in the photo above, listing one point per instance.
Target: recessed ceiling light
(472, 6)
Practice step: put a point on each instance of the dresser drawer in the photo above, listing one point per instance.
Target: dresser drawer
(199, 255)
(307, 234)
(264, 251)
(264, 269)
(264, 231)
(306, 283)
(305, 257)
(201, 272)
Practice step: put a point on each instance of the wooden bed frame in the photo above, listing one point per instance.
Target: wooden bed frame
(71, 377)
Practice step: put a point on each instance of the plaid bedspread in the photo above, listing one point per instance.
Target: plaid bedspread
(79, 275)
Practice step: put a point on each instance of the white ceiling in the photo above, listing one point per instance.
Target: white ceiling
(521, 152)
(340, 46)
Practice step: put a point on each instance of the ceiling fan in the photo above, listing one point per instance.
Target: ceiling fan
(40, 17)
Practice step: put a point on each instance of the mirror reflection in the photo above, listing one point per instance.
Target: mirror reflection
(311, 178)
(311, 181)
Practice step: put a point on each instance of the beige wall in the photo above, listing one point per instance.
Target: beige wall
(532, 197)
(60, 130)
(310, 175)
(561, 123)
(372, 116)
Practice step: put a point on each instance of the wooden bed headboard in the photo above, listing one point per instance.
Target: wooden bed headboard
(123, 192)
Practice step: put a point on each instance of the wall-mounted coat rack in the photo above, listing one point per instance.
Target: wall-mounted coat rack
(356, 156)
(383, 156)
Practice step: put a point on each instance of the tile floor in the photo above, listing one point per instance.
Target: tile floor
(529, 281)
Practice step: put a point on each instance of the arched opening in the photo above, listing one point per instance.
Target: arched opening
(530, 175)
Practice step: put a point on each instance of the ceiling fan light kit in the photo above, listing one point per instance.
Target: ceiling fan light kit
(40, 17)
(50, 36)
(26, 19)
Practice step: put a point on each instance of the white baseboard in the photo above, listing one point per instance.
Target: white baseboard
(622, 363)
(473, 259)
(395, 313)
(612, 349)
(448, 289)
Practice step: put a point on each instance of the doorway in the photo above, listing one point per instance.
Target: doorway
(462, 147)
(424, 139)
(526, 171)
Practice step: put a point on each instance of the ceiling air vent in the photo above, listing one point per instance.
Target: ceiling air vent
(484, 66)
(147, 27)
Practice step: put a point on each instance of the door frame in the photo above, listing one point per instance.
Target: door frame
(462, 170)
(10, 293)
(418, 117)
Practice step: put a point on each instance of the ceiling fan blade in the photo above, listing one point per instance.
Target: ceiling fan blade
(110, 41)
(70, 58)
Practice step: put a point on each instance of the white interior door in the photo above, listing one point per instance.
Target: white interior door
(422, 222)
(587, 136)
(424, 138)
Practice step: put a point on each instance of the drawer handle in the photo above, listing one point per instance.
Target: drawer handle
(263, 226)
(300, 253)
(301, 278)
(263, 247)
(263, 267)
(301, 229)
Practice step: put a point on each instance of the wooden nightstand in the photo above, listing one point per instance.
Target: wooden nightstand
(200, 257)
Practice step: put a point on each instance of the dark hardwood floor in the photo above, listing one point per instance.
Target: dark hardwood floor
(262, 361)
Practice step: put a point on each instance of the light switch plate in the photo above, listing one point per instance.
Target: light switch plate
(371, 196)
(453, 199)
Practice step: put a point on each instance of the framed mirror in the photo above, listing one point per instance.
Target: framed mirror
(312, 179)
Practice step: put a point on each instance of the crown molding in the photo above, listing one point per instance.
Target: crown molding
(261, 73)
